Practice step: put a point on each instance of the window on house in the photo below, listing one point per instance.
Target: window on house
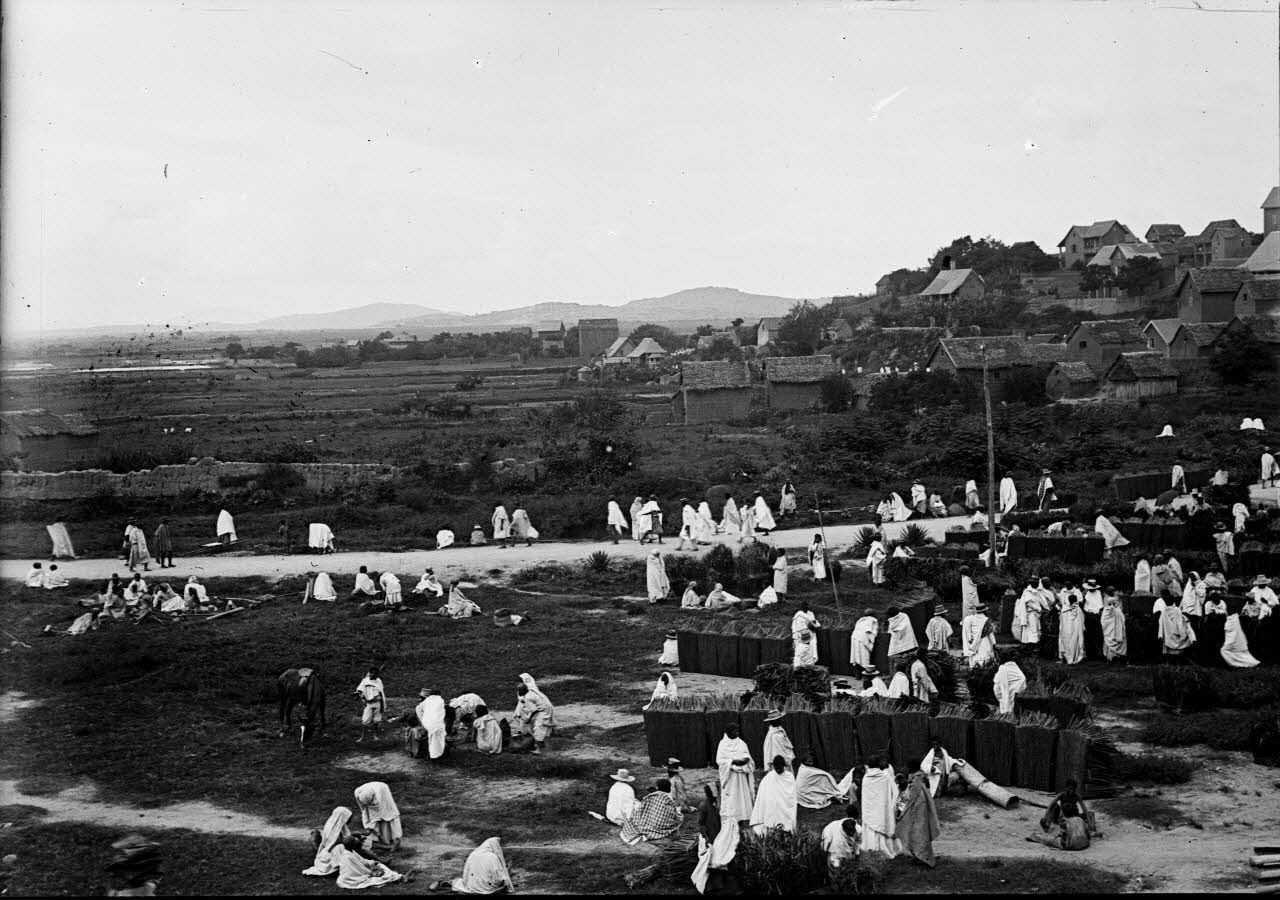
(1083, 344)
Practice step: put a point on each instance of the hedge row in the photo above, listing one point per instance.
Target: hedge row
(1025, 751)
(1152, 484)
(1080, 551)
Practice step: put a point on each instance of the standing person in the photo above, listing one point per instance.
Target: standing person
(136, 545)
(919, 499)
(918, 822)
(534, 709)
(922, 685)
(636, 505)
(1239, 516)
(1178, 479)
(971, 499)
(787, 502)
(226, 528)
(164, 545)
(431, 716)
(775, 805)
(1008, 495)
(818, 558)
(390, 588)
(1225, 542)
(1175, 632)
(730, 518)
(976, 637)
(1071, 631)
(747, 528)
(521, 528)
(374, 697)
(656, 579)
(1270, 469)
(939, 630)
(876, 556)
(969, 599)
(863, 640)
(1142, 576)
(764, 517)
(776, 742)
(879, 808)
(737, 777)
(379, 813)
(780, 574)
(501, 525)
(705, 530)
(616, 522)
(1092, 607)
(688, 522)
(1044, 490)
(651, 516)
(1115, 644)
(286, 537)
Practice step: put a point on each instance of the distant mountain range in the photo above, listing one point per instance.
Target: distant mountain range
(713, 305)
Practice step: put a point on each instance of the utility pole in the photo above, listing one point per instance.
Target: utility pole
(817, 505)
(991, 460)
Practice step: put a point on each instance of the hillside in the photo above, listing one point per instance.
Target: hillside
(371, 315)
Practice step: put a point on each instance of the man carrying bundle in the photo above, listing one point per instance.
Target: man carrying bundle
(776, 742)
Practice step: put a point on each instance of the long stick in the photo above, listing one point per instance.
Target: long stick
(835, 594)
(15, 640)
(991, 464)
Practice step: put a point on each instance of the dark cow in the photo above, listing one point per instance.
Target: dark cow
(301, 686)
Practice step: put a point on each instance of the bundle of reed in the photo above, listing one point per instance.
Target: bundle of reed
(748, 650)
(752, 722)
(814, 682)
(994, 747)
(1071, 701)
(687, 647)
(660, 732)
(909, 730)
(875, 735)
(709, 647)
(953, 726)
(773, 679)
(1036, 747)
(943, 670)
(719, 712)
(1072, 760)
(980, 680)
(800, 724)
(780, 863)
(838, 735)
(1103, 761)
(673, 861)
(688, 723)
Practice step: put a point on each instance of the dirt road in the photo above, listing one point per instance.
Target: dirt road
(453, 562)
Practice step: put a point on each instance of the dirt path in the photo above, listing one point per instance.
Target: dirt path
(451, 563)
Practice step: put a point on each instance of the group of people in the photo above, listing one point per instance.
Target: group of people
(966, 501)
(361, 856)
(467, 718)
(387, 591)
(698, 524)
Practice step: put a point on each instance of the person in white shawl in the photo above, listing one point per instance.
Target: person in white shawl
(747, 527)
(737, 777)
(720, 597)
(705, 528)
(787, 501)
(879, 808)
(863, 640)
(485, 871)
(875, 686)
(1270, 469)
(763, 515)
(902, 637)
(61, 540)
(501, 523)
(1026, 615)
(1115, 643)
(1166, 432)
(444, 538)
(768, 597)
(730, 519)
(136, 544)
(615, 521)
(1142, 576)
(803, 620)
(899, 685)
(780, 575)
(431, 716)
(938, 766)
(335, 830)
(1008, 682)
(670, 650)
(818, 558)
(622, 798)
(1110, 534)
(775, 805)
(922, 684)
(898, 511)
(656, 577)
(665, 689)
(816, 789)
(939, 630)
(876, 555)
(488, 731)
(226, 527)
(968, 592)
(35, 576)
(429, 584)
(54, 579)
(971, 499)
(691, 599)
(1240, 515)
(636, 505)
(976, 640)
(1008, 495)
(1193, 595)
(650, 520)
(804, 649)
(919, 499)
(321, 588)
(356, 872)
(688, 525)
(840, 841)
(1174, 631)
(717, 853)
(1071, 631)
(776, 742)
(522, 527)
(1235, 647)
(390, 589)
(1178, 479)
(379, 813)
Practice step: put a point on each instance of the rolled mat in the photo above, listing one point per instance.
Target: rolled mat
(910, 733)
(716, 721)
(776, 650)
(802, 728)
(659, 733)
(874, 734)
(1072, 760)
(1036, 753)
(727, 655)
(838, 740)
(708, 653)
(989, 789)
(841, 640)
(955, 735)
(689, 732)
(993, 749)
(823, 638)
(880, 654)
(748, 655)
(753, 731)
(687, 646)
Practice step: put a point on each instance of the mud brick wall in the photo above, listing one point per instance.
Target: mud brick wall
(169, 481)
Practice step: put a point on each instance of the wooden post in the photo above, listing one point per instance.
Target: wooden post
(991, 463)
(835, 594)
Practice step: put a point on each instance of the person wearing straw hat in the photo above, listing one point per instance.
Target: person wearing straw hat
(1092, 606)
(1044, 490)
(622, 798)
(873, 684)
(670, 650)
(776, 742)
(804, 649)
(1224, 540)
(976, 638)
(1262, 591)
(939, 630)
(679, 790)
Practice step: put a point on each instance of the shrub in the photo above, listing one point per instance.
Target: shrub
(1221, 730)
(914, 536)
(781, 863)
(1155, 768)
(597, 562)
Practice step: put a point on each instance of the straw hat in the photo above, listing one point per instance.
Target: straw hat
(673, 763)
(939, 610)
(872, 672)
(1090, 584)
(773, 716)
(623, 775)
(1046, 471)
(1219, 526)
(672, 634)
(1262, 581)
(980, 608)
(425, 692)
(841, 683)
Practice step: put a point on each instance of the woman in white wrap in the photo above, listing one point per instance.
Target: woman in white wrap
(665, 689)
(1235, 648)
(818, 558)
(1009, 681)
(863, 640)
(1178, 479)
(780, 576)
(616, 522)
(501, 524)
(1175, 632)
(764, 517)
(721, 849)
(1024, 632)
(938, 767)
(1110, 534)
(747, 528)
(670, 650)
(816, 789)
(226, 527)
(621, 802)
(1008, 495)
(971, 499)
(899, 685)
(737, 777)
(335, 830)
(898, 509)
(485, 871)
(730, 520)
(636, 505)
(876, 555)
(902, 637)
(1071, 632)
(379, 813)
(879, 808)
(355, 872)
(1142, 576)
(322, 588)
(522, 528)
(536, 710)
(775, 805)
(704, 526)
(1240, 515)
(787, 502)
(1115, 643)
(656, 577)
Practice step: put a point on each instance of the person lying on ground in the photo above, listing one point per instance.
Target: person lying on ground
(429, 584)
(364, 585)
(656, 817)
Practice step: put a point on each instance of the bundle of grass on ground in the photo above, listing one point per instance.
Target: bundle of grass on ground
(780, 863)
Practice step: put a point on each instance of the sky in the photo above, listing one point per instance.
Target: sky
(229, 160)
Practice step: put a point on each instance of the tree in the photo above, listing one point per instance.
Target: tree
(703, 331)
(721, 348)
(384, 336)
(1095, 278)
(1139, 275)
(666, 338)
(802, 327)
(234, 350)
(1241, 358)
(835, 393)
(571, 342)
(924, 390)
(736, 323)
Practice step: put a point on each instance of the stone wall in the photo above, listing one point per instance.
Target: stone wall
(168, 481)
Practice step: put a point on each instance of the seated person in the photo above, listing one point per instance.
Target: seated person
(429, 584)
(357, 871)
(1074, 822)
(656, 817)
(135, 591)
(195, 595)
(720, 597)
(459, 607)
(54, 579)
(485, 872)
(477, 536)
(364, 585)
(444, 538)
(35, 576)
(166, 600)
(489, 734)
